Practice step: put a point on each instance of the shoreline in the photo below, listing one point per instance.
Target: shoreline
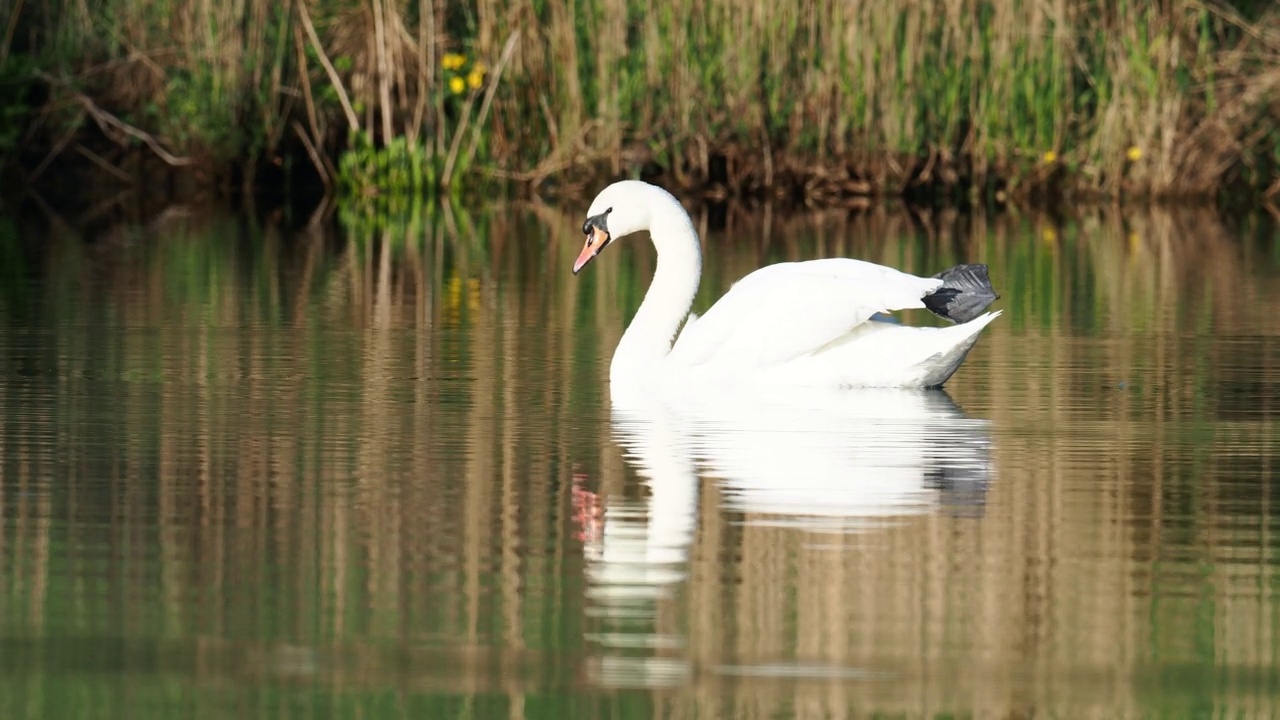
(814, 103)
(78, 185)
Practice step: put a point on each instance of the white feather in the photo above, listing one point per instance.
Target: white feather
(814, 323)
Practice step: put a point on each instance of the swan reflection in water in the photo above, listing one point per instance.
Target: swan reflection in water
(819, 462)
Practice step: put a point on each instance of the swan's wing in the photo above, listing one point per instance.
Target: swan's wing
(787, 310)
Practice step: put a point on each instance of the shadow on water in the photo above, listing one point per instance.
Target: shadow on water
(374, 469)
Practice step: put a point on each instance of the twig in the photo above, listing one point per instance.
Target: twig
(449, 222)
(101, 162)
(439, 96)
(101, 208)
(107, 122)
(306, 81)
(507, 50)
(457, 139)
(275, 131)
(1272, 191)
(396, 49)
(552, 128)
(563, 158)
(426, 65)
(1258, 31)
(328, 66)
(8, 32)
(484, 111)
(58, 147)
(135, 56)
(143, 59)
(312, 117)
(384, 71)
(542, 171)
(43, 206)
(311, 152)
(321, 212)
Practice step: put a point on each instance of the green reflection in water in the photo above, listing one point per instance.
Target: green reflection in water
(345, 471)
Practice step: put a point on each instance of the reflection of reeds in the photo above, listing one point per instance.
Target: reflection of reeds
(332, 449)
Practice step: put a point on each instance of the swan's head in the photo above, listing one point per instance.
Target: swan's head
(619, 210)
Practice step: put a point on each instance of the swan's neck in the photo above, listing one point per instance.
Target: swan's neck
(648, 339)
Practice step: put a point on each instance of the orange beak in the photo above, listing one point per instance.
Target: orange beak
(596, 240)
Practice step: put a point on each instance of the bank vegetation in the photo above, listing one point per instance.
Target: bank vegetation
(818, 100)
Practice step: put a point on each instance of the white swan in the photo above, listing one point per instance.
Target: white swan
(817, 323)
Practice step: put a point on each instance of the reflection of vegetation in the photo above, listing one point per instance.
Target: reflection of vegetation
(14, 107)
(333, 473)
(13, 269)
(400, 217)
(405, 226)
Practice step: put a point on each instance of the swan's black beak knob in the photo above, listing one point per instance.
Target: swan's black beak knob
(597, 237)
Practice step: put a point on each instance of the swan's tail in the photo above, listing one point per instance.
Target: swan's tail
(941, 366)
(966, 291)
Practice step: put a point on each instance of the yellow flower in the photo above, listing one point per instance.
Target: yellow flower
(457, 85)
(1134, 154)
(1050, 157)
(1048, 235)
(475, 79)
(453, 61)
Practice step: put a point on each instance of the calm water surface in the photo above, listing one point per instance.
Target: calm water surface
(255, 472)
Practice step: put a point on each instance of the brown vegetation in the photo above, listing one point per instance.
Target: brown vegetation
(817, 101)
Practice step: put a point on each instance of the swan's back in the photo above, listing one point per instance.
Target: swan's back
(784, 311)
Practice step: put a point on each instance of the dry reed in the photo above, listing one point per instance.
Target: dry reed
(816, 99)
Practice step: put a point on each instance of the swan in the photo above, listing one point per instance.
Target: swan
(813, 323)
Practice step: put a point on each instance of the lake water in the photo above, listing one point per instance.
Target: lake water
(351, 471)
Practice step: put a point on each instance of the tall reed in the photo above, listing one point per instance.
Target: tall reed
(829, 97)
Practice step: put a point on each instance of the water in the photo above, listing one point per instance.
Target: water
(247, 471)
